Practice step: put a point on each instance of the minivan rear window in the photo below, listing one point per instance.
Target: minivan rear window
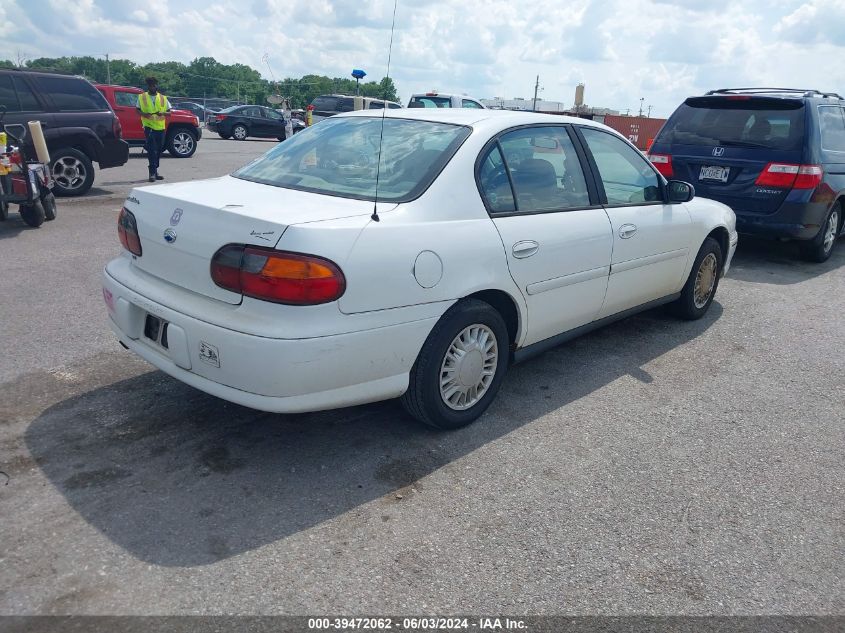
(747, 122)
(339, 157)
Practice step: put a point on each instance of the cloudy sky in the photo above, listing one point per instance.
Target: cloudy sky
(662, 50)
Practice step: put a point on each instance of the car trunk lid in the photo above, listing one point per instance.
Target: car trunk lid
(182, 225)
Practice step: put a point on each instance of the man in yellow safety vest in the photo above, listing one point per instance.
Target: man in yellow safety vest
(154, 109)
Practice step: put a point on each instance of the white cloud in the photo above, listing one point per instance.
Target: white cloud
(661, 50)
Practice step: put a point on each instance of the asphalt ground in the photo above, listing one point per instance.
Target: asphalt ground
(652, 467)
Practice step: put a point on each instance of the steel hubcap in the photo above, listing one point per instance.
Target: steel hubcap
(69, 172)
(705, 279)
(183, 143)
(830, 230)
(468, 367)
(240, 132)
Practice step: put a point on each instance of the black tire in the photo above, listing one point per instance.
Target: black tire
(687, 307)
(4, 211)
(5, 186)
(73, 172)
(820, 248)
(423, 399)
(222, 135)
(33, 214)
(182, 143)
(239, 132)
(49, 203)
(281, 138)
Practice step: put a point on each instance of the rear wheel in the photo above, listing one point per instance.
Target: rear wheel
(239, 132)
(460, 367)
(49, 203)
(820, 247)
(33, 214)
(698, 292)
(182, 144)
(72, 171)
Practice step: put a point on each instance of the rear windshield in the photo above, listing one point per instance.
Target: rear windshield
(768, 123)
(433, 102)
(339, 157)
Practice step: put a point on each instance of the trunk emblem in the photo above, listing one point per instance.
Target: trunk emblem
(718, 151)
(177, 215)
(170, 236)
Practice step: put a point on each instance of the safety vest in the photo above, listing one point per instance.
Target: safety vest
(154, 107)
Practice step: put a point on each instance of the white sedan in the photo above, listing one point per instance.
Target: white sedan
(417, 255)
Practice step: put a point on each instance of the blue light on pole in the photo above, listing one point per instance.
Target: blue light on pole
(358, 74)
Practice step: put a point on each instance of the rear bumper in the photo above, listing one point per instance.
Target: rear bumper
(277, 375)
(113, 153)
(796, 220)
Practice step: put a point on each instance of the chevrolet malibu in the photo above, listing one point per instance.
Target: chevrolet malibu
(413, 253)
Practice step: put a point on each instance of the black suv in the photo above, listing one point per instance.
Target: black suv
(79, 125)
(775, 156)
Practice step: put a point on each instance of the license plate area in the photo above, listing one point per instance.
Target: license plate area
(714, 173)
(155, 329)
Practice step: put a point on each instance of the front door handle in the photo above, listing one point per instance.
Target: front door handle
(524, 249)
(627, 230)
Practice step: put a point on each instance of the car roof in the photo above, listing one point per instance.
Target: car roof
(498, 119)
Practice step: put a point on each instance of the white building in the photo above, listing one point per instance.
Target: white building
(519, 103)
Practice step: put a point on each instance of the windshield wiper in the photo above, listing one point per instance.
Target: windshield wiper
(732, 143)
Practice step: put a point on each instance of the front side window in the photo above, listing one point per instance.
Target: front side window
(16, 96)
(71, 94)
(627, 176)
(832, 127)
(340, 157)
(123, 98)
(544, 170)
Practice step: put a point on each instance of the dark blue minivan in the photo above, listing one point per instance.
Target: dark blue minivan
(775, 156)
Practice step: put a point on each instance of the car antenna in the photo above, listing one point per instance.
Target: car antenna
(374, 216)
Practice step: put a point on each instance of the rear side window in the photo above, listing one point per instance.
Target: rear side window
(325, 104)
(393, 106)
(377, 105)
(832, 125)
(71, 94)
(628, 178)
(733, 122)
(123, 98)
(469, 103)
(433, 102)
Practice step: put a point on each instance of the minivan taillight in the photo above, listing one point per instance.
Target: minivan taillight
(790, 176)
(277, 276)
(116, 128)
(127, 231)
(663, 164)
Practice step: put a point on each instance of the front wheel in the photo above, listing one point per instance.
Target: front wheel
(33, 214)
(698, 292)
(820, 247)
(182, 144)
(460, 367)
(239, 132)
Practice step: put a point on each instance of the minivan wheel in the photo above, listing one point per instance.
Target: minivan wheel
(700, 288)
(820, 247)
(460, 367)
(73, 172)
(239, 132)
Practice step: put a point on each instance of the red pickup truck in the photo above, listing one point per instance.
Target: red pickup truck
(183, 128)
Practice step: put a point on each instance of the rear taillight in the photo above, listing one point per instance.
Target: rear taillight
(663, 164)
(789, 176)
(116, 128)
(127, 231)
(278, 276)
(220, 117)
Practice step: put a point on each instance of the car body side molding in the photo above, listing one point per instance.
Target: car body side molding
(535, 349)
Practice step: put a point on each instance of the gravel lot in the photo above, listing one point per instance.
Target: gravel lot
(654, 466)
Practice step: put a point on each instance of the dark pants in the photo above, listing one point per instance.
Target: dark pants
(154, 147)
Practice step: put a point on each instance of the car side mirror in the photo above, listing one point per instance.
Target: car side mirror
(679, 191)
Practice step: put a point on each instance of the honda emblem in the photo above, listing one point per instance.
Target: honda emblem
(718, 151)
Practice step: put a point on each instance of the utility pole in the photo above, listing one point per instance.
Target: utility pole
(641, 105)
(649, 112)
(108, 70)
(536, 88)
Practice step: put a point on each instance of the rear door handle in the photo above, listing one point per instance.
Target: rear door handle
(627, 230)
(524, 249)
